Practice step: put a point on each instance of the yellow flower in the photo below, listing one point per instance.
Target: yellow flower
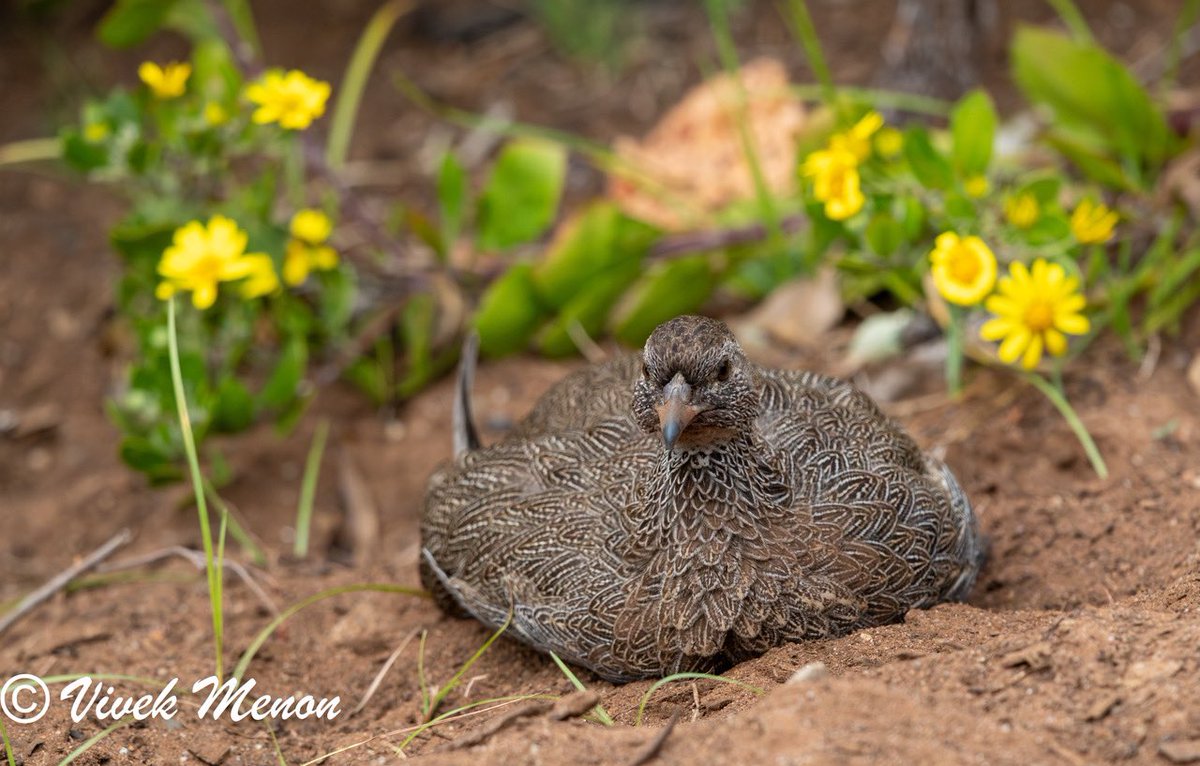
(261, 279)
(165, 82)
(312, 226)
(977, 186)
(835, 182)
(889, 141)
(95, 132)
(215, 114)
(201, 256)
(857, 140)
(1033, 311)
(301, 258)
(1093, 222)
(963, 268)
(1022, 210)
(292, 99)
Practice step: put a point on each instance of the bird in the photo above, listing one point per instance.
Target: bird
(684, 509)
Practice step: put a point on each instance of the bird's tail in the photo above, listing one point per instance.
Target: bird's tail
(465, 436)
(972, 545)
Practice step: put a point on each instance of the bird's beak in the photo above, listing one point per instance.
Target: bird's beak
(676, 411)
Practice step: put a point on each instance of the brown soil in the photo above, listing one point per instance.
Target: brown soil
(1079, 644)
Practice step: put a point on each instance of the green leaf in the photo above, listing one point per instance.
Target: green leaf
(927, 163)
(234, 406)
(521, 196)
(283, 385)
(452, 197)
(215, 74)
(588, 309)
(912, 217)
(973, 127)
(1090, 92)
(1094, 165)
(592, 243)
(1044, 187)
(509, 312)
(668, 289)
(884, 234)
(81, 155)
(145, 455)
(417, 328)
(1048, 228)
(129, 22)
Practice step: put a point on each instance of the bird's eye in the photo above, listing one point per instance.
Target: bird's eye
(724, 370)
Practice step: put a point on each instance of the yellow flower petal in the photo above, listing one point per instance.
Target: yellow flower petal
(292, 99)
(311, 225)
(204, 295)
(1033, 352)
(996, 328)
(1073, 324)
(295, 263)
(1014, 345)
(1056, 342)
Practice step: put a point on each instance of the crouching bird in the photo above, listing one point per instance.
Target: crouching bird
(684, 509)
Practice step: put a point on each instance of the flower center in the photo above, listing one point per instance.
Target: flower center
(963, 266)
(208, 267)
(1039, 316)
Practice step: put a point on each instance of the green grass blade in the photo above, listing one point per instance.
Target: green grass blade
(88, 743)
(598, 154)
(802, 27)
(275, 744)
(30, 150)
(422, 682)
(719, 21)
(462, 671)
(243, 663)
(236, 529)
(8, 751)
(189, 444)
(1187, 17)
(880, 99)
(308, 489)
(1070, 15)
(684, 677)
(601, 713)
(1059, 400)
(470, 705)
(354, 82)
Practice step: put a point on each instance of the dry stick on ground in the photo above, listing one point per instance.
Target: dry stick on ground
(60, 580)
(573, 705)
(652, 748)
(196, 559)
(378, 679)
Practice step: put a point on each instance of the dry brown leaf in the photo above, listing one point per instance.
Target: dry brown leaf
(695, 153)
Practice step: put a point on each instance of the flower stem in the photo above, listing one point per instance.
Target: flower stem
(1059, 400)
(954, 352)
(212, 562)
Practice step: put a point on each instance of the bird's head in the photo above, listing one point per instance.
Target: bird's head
(697, 387)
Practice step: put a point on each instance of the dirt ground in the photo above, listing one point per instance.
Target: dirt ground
(1078, 645)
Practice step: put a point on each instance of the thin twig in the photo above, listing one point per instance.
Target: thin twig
(588, 347)
(378, 679)
(652, 748)
(196, 559)
(485, 732)
(60, 580)
(716, 239)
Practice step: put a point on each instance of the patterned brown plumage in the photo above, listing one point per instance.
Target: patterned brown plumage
(683, 508)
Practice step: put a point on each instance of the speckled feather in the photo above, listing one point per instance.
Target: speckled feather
(795, 510)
